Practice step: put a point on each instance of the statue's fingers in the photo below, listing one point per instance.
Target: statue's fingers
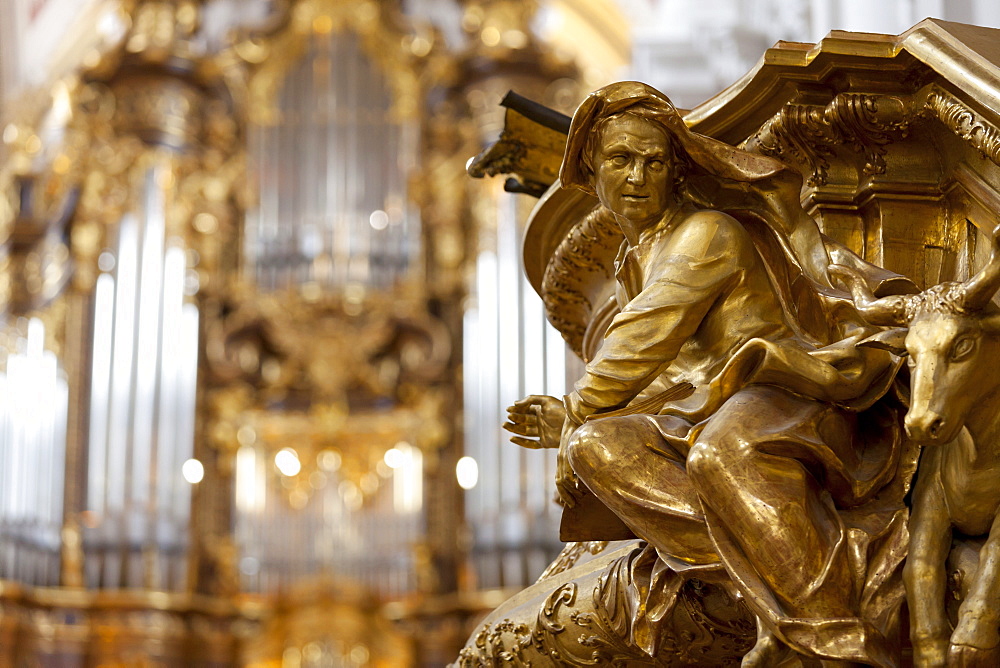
(521, 404)
(532, 400)
(523, 418)
(531, 444)
(522, 429)
(566, 489)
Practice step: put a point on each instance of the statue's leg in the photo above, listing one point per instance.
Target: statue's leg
(976, 641)
(627, 464)
(924, 573)
(757, 465)
(750, 463)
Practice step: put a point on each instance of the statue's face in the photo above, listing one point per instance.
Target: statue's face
(632, 169)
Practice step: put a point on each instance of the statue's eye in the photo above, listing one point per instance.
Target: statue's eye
(962, 348)
(656, 164)
(619, 160)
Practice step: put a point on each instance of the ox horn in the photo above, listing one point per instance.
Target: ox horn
(979, 290)
(885, 311)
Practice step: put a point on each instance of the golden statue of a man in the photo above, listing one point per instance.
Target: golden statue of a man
(729, 418)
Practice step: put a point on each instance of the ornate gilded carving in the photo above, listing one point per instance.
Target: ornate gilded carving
(592, 614)
(578, 257)
(571, 554)
(809, 133)
(867, 123)
(959, 118)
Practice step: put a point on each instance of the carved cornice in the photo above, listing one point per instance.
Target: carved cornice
(960, 119)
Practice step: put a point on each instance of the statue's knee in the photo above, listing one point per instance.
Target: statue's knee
(711, 456)
(719, 450)
(595, 444)
(585, 446)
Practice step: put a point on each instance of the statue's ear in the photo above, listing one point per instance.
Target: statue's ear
(893, 340)
(991, 323)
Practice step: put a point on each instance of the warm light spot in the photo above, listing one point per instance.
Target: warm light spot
(33, 144)
(323, 25)
(287, 461)
(359, 655)
(379, 220)
(420, 47)
(329, 460)
(467, 472)
(246, 435)
(490, 36)
(193, 471)
(61, 164)
(394, 458)
(514, 39)
(206, 223)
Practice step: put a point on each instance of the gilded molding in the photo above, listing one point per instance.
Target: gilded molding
(965, 123)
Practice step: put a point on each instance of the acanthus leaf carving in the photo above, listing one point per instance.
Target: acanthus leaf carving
(808, 134)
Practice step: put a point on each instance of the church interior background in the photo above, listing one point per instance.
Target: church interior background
(258, 327)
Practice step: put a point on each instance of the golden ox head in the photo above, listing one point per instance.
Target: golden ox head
(951, 334)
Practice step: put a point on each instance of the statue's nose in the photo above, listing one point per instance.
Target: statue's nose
(925, 426)
(637, 174)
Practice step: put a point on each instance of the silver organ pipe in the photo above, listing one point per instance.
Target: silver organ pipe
(510, 351)
(33, 407)
(331, 175)
(143, 385)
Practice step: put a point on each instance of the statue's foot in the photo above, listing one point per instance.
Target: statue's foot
(976, 639)
(976, 628)
(966, 656)
(930, 652)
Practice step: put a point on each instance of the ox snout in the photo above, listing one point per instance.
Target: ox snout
(926, 426)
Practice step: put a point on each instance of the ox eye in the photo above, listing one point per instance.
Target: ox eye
(962, 348)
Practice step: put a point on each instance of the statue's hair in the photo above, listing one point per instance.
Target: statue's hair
(946, 298)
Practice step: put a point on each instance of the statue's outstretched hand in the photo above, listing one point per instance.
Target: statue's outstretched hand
(537, 420)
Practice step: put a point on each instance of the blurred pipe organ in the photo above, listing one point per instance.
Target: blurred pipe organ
(240, 252)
